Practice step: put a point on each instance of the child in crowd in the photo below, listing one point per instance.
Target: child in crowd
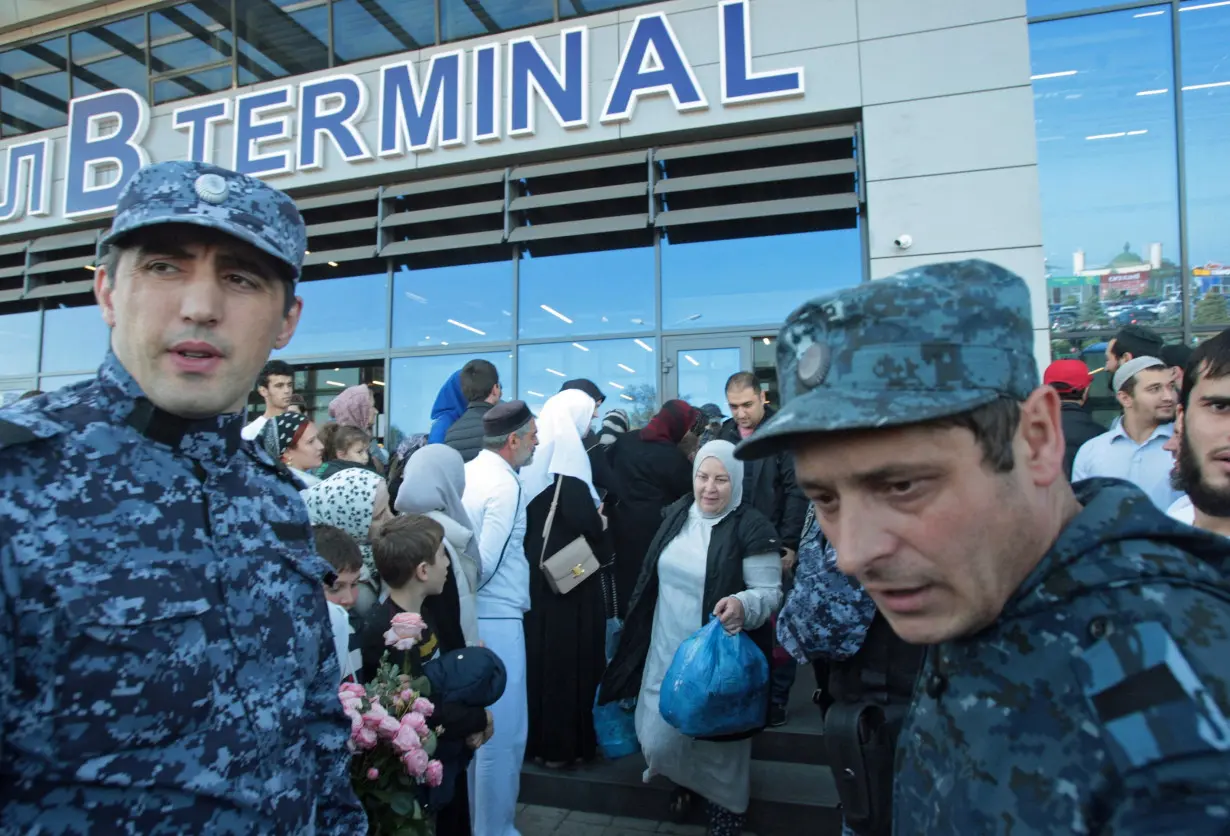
(341, 552)
(411, 559)
(344, 447)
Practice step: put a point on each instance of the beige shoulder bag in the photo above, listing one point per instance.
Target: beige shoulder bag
(568, 567)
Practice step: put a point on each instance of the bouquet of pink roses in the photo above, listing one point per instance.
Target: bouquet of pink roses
(391, 741)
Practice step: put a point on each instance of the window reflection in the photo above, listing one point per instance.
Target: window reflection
(282, 37)
(343, 314)
(1104, 104)
(74, 339)
(1204, 33)
(417, 380)
(467, 303)
(367, 28)
(110, 57)
(703, 374)
(586, 293)
(1040, 8)
(34, 87)
(572, 8)
(195, 83)
(471, 18)
(18, 343)
(50, 383)
(189, 35)
(625, 370)
(754, 280)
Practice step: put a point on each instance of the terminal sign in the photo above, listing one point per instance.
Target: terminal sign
(286, 129)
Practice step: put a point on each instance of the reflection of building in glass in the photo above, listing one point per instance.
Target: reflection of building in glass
(1128, 274)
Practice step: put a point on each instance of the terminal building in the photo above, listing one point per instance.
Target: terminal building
(636, 193)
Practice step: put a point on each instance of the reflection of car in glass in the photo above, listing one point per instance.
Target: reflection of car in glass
(1127, 316)
(1063, 322)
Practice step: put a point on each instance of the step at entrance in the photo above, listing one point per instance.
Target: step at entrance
(792, 787)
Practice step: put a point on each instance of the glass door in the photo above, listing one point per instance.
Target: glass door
(695, 369)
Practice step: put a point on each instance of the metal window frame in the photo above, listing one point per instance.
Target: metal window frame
(648, 220)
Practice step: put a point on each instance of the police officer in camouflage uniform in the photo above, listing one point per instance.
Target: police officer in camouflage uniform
(170, 665)
(1076, 678)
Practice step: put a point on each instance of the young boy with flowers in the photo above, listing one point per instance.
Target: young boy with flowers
(410, 557)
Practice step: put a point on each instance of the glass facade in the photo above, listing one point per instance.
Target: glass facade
(74, 339)
(206, 46)
(625, 370)
(1130, 100)
(559, 274)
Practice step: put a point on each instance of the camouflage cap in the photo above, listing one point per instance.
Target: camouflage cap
(928, 343)
(186, 192)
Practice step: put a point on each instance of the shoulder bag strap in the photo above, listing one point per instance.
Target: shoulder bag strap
(507, 540)
(546, 531)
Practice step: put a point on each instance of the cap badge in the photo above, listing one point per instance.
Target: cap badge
(814, 365)
(211, 188)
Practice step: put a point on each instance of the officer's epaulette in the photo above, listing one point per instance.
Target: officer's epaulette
(262, 457)
(15, 433)
(1148, 697)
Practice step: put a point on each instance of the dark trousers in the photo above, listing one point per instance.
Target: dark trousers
(781, 682)
(454, 819)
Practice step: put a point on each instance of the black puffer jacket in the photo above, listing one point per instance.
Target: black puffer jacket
(770, 486)
(1078, 427)
(744, 533)
(466, 434)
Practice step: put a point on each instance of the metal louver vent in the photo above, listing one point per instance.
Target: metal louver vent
(57, 264)
(786, 182)
(559, 207)
(463, 213)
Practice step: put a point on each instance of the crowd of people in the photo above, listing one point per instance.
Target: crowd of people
(1007, 630)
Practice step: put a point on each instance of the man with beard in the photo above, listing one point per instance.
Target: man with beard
(1134, 448)
(1203, 430)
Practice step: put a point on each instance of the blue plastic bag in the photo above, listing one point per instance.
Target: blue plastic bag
(615, 726)
(717, 684)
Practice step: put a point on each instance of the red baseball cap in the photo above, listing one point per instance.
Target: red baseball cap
(1068, 375)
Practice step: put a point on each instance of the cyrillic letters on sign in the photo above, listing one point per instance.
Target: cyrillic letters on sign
(90, 148)
(27, 164)
(565, 91)
(331, 108)
(739, 82)
(417, 116)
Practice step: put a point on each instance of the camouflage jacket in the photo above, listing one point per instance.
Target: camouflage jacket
(827, 614)
(1096, 703)
(171, 666)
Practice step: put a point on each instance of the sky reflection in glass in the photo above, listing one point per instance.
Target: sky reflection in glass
(604, 292)
(74, 339)
(452, 305)
(344, 314)
(754, 280)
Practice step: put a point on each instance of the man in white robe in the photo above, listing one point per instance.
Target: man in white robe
(495, 504)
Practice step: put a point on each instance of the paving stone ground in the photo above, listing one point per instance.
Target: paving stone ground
(533, 820)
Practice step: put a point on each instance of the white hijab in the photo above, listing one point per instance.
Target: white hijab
(563, 422)
(724, 452)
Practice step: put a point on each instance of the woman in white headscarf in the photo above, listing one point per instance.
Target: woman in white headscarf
(354, 500)
(712, 554)
(564, 634)
(435, 479)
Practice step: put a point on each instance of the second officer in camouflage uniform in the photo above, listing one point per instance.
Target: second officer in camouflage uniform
(1076, 679)
(170, 665)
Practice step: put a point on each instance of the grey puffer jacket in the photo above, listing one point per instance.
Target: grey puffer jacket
(466, 434)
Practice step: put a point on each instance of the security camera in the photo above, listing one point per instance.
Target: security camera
(903, 242)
